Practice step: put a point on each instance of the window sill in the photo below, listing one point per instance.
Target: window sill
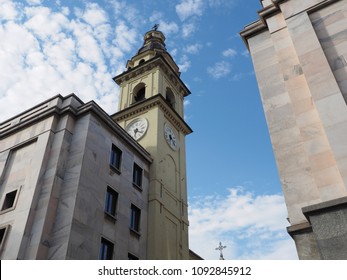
(110, 217)
(7, 210)
(139, 188)
(115, 169)
(135, 232)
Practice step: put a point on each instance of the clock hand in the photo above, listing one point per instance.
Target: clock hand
(135, 131)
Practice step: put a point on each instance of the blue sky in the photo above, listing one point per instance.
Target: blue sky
(60, 46)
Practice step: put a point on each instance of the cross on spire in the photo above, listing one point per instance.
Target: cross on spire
(155, 27)
(220, 248)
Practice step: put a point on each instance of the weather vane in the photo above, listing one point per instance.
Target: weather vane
(220, 249)
(155, 27)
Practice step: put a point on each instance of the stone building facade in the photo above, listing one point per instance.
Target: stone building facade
(77, 183)
(299, 52)
(59, 178)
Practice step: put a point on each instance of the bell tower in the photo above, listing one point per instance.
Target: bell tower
(151, 111)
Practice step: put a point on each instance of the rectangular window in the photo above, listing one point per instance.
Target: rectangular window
(132, 257)
(137, 175)
(10, 200)
(116, 157)
(111, 201)
(106, 250)
(135, 215)
(3, 233)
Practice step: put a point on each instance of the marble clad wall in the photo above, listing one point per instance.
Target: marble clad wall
(303, 103)
(60, 165)
(89, 223)
(266, 2)
(26, 161)
(299, 52)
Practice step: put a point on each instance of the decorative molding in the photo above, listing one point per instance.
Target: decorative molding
(76, 108)
(260, 25)
(304, 227)
(147, 104)
(157, 61)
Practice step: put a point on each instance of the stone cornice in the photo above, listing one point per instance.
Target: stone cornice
(145, 105)
(68, 105)
(299, 228)
(158, 61)
(260, 25)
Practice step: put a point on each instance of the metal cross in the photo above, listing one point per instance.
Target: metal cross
(155, 27)
(220, 248)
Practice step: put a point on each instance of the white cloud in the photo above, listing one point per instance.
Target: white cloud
(188, 8)
(245, 53)
(44, 23)
(252, 227)
(173, 52)
(229, 53)
(45, 52)
(34, 2)
(193, 49)
(94, 15)
(184, 63)
(126, 37)
(188, 29)
(122, 9)
(168, 27)
(219, 70)
(8, 10)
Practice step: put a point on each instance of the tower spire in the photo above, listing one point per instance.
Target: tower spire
(154, 40)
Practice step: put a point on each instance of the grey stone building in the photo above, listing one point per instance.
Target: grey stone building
(299, 52)
(67, 185)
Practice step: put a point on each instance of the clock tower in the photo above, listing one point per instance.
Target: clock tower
(151, 111)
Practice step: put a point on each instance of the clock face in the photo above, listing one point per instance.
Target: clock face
(137, 128)
(170, 137)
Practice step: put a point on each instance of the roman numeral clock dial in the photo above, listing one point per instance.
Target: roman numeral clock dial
(137, 128)
(171, 137)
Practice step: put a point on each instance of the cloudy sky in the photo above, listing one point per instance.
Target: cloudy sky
(50, 47)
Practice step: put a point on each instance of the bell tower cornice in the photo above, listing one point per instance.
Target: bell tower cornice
(157, 61)
(157, 100)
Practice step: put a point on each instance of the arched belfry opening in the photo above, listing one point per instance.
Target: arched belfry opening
(139, 93)
(170, 98)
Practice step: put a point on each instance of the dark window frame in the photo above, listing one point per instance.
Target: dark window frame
(111, 202)
(10, 201)
(106, 249)
(3, 235)
(137, 176)
(132, 257)
(135, 219)
(116, 158)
